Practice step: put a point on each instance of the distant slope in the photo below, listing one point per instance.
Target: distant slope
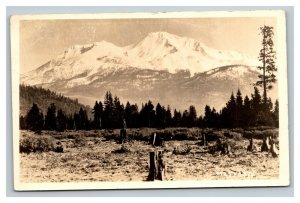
(43, 98)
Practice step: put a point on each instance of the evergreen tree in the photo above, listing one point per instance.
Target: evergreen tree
(207, 116)
(211, 117)
(97, 111)
(159, 116)
(256, 103)
(132, 115)
(77, 123)
(214, 118)
(177, 119)
(50, 119)
(70, 123)
(168, 117)
(192, 117)
(34, 118)
(228, 116)
(118, 113)
(256, 107)
(246, 113)
(108, 110)
(276, 113)
(83, 120)
(200, 122)
(147, 115)
(239, 107)
(185, 119)
(267, 56)
(128, 115)
(61, 121)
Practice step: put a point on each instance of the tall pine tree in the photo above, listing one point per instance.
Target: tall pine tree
(267, 57)
(34, 119)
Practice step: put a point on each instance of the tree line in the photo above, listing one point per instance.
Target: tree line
(238, 112)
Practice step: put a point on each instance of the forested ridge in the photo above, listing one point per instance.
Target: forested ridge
(44, 98)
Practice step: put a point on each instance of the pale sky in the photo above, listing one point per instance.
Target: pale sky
(43, 40)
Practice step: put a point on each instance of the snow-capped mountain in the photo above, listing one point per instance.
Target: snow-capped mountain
(157, 51)
(162, 67)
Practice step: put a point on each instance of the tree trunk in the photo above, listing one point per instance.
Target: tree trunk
(152, 167)
(157, 166)
(264, 72)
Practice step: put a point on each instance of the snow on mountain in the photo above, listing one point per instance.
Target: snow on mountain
(157, 51)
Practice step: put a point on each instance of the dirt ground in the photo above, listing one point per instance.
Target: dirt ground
(95, 159)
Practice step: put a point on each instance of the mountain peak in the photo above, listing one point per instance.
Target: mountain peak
(162, 34)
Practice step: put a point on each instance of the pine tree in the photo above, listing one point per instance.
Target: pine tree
(61, 121)
(192, 117)
(83, 122)
(77, 123)
(276, 113)
(229, 117)
(108, 110)
(215, 119)
(128, 115)
(267, 56)
(118, 113)
(159, 116)
(34, 119)
(246, 113)
(238, 111)
(97, 111)
(177, 119)
(207, 116)
(70, 123)
(132, 115)
(185, 119)
(256, 103)
(168, 117)
(147, 115)
(50, 119)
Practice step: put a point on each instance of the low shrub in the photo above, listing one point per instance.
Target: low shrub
(183, 150)
(260, 134)
(233, 135)
(32, 143)
(213, 135)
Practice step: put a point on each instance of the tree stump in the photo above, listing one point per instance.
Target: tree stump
(156, 140)
(273, 149)
(250, 146)
(204, 142)
(265, 147)
(223, 146)
(122, 136)
(157, 166)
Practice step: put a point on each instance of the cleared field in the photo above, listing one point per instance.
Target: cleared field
(96, 156)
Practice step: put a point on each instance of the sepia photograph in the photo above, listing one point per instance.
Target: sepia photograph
(150, 100)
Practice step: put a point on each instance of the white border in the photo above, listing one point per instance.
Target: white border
(284, 160)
